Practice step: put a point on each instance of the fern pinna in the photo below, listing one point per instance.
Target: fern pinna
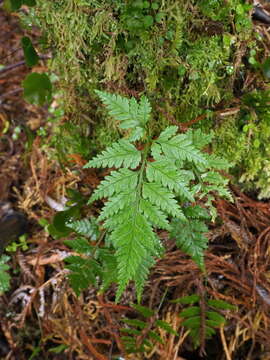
(147, 187)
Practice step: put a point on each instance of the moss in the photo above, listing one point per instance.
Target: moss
(188, 57)
(244, 140)
(163, 51)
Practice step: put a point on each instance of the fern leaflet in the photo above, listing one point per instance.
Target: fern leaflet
(118, 181)
(163, 198)
(121, 153)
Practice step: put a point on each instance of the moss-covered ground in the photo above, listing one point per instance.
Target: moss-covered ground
(202, 64)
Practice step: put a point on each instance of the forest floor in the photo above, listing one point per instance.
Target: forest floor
(42, 318)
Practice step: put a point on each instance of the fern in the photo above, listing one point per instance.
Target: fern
(92, 266)
(86, 227)
(121, 153)
(145, 194)
(135, 340)
(190, 235)
(194, 319)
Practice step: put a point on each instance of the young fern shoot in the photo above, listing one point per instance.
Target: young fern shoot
(148, 189)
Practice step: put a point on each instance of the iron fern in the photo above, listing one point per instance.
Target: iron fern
(147, 188)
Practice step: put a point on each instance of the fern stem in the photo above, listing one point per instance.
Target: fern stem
(141, 175)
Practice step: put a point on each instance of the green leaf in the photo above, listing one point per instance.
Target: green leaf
(214, 177)
(83, 272)
(221, 304)
(209, 332)
(134, 241)
(37, 88)
(142, 199)
(136, 134)
(155, 6)
(163, 198)
(154, 215)
(192, 322)
(12, 5)
(144, 111)
(166, 134)
(121, 108)
(135, 322)
(143, 273)
(109, 268)
(166, 326)
(62, 218)
(29, 2)
(213, 323)
(156, 151)
(86, 227)
(191, 311)
(190, 299)
(164, 172)
(196, 212)
(218, 163)
(4, 276)
(189, 236)
(198, 138)
(152, 334)
(121, 153)
(80, 245)
(114, 206)
(30, 54)
(179, 147)
(119, 181)
(145, 311)
(131, 331)
(219, 319)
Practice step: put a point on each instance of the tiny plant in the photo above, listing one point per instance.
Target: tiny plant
(201, 317)
(154, 184)
(139, 335)
(20, 244)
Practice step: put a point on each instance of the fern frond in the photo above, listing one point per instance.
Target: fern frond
(196, 212)
(80, 245)
(142, 275)
(164, 172)
(109, 268)
(141, 200)
(166, 134)
(121, 153)
(136, 134)
(214, 178)
(118, 181)
(189, 237)
(154, 215)
(86, 227)
(83, 272)
(198, 138)
(179, 147)
(144, 111)
(215, 162)
(117, 203)
(156, 151)
(121, 108)
(134, 241)
(202, 322)
(163, 198)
